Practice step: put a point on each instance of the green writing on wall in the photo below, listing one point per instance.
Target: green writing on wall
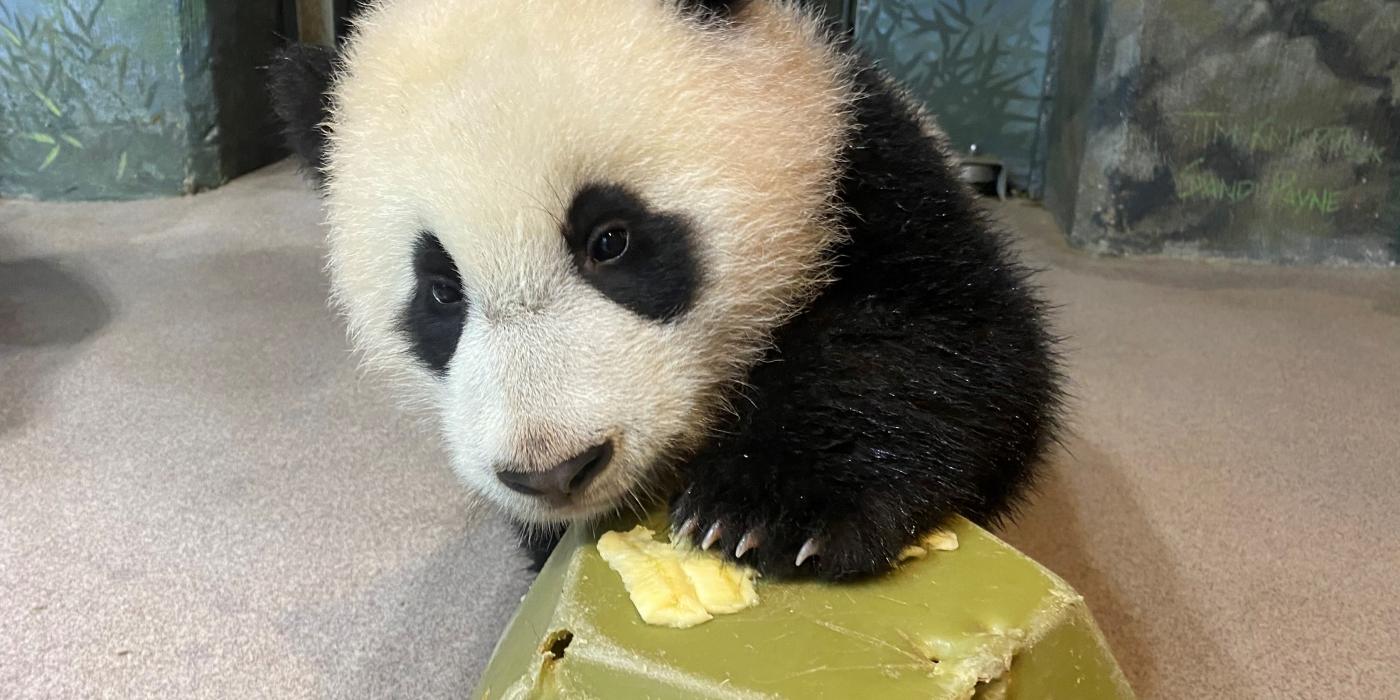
(1307, 185)
(1284, 192)
(1311, 142)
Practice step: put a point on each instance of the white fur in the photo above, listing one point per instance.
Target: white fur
(478, 120)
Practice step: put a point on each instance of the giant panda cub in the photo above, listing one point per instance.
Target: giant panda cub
(681, 252)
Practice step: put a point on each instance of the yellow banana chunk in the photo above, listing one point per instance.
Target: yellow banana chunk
(675, 587)
(722, 588)
(937, 541)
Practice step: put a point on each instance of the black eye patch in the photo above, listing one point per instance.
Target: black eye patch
(437, 311)
(643, 260)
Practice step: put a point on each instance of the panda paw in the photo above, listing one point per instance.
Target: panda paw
(840, 539)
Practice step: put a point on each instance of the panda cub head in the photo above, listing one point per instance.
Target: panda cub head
(571, 231)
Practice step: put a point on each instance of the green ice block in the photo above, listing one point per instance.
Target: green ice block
(983, 621)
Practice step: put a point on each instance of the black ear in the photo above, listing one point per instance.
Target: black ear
(300, 84)
(713, 9)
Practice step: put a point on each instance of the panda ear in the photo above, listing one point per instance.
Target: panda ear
(300, 83)
(713, 9)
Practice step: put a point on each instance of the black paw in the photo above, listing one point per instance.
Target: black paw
(793, 535)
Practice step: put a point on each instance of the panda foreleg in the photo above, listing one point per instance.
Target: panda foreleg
(830, 472)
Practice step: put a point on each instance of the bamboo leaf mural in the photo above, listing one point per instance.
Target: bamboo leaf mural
(53, 155)
(979, 66)
(48, 102)
(80, 109)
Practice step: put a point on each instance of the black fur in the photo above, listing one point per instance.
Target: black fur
(921, 384)
(300, 85)
(713, 9)
(657, 277)
(538, 543)
(433, 328)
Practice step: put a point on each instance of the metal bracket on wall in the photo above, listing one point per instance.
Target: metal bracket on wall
(316, 22)
(983, 172)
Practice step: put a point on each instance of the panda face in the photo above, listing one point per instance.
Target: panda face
(569, 232)
(576, 349)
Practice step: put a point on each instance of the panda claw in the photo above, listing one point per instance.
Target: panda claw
(687, 529)
(712, 536)
(810, 549)
(750, 541)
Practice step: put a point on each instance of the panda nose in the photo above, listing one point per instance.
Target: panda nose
(558, 483)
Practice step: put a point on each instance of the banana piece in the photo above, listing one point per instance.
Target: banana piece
(676, 587)
(682, 587)
(937, 541)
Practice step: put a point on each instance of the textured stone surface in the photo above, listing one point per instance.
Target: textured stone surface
(1266, 130)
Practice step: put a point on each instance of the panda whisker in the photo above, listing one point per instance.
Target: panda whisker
(635, 503)
(559, 201)
(541, 207)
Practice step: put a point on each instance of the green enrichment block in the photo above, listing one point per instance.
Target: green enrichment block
(983, 621)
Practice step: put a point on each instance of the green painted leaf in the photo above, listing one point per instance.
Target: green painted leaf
(121, 166)
(72, 141)
(11, 36)
(40, 138)
(47, 102)
(53, 154)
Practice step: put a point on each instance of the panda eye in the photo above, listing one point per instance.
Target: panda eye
(446, 294)
(608, 242)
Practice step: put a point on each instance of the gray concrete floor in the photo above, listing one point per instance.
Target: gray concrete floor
(199, 498)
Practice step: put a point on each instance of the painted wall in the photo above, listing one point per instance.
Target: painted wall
(1256, 129)
(114, 99)
(979, 65)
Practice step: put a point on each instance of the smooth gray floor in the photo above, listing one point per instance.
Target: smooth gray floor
(200, 498)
